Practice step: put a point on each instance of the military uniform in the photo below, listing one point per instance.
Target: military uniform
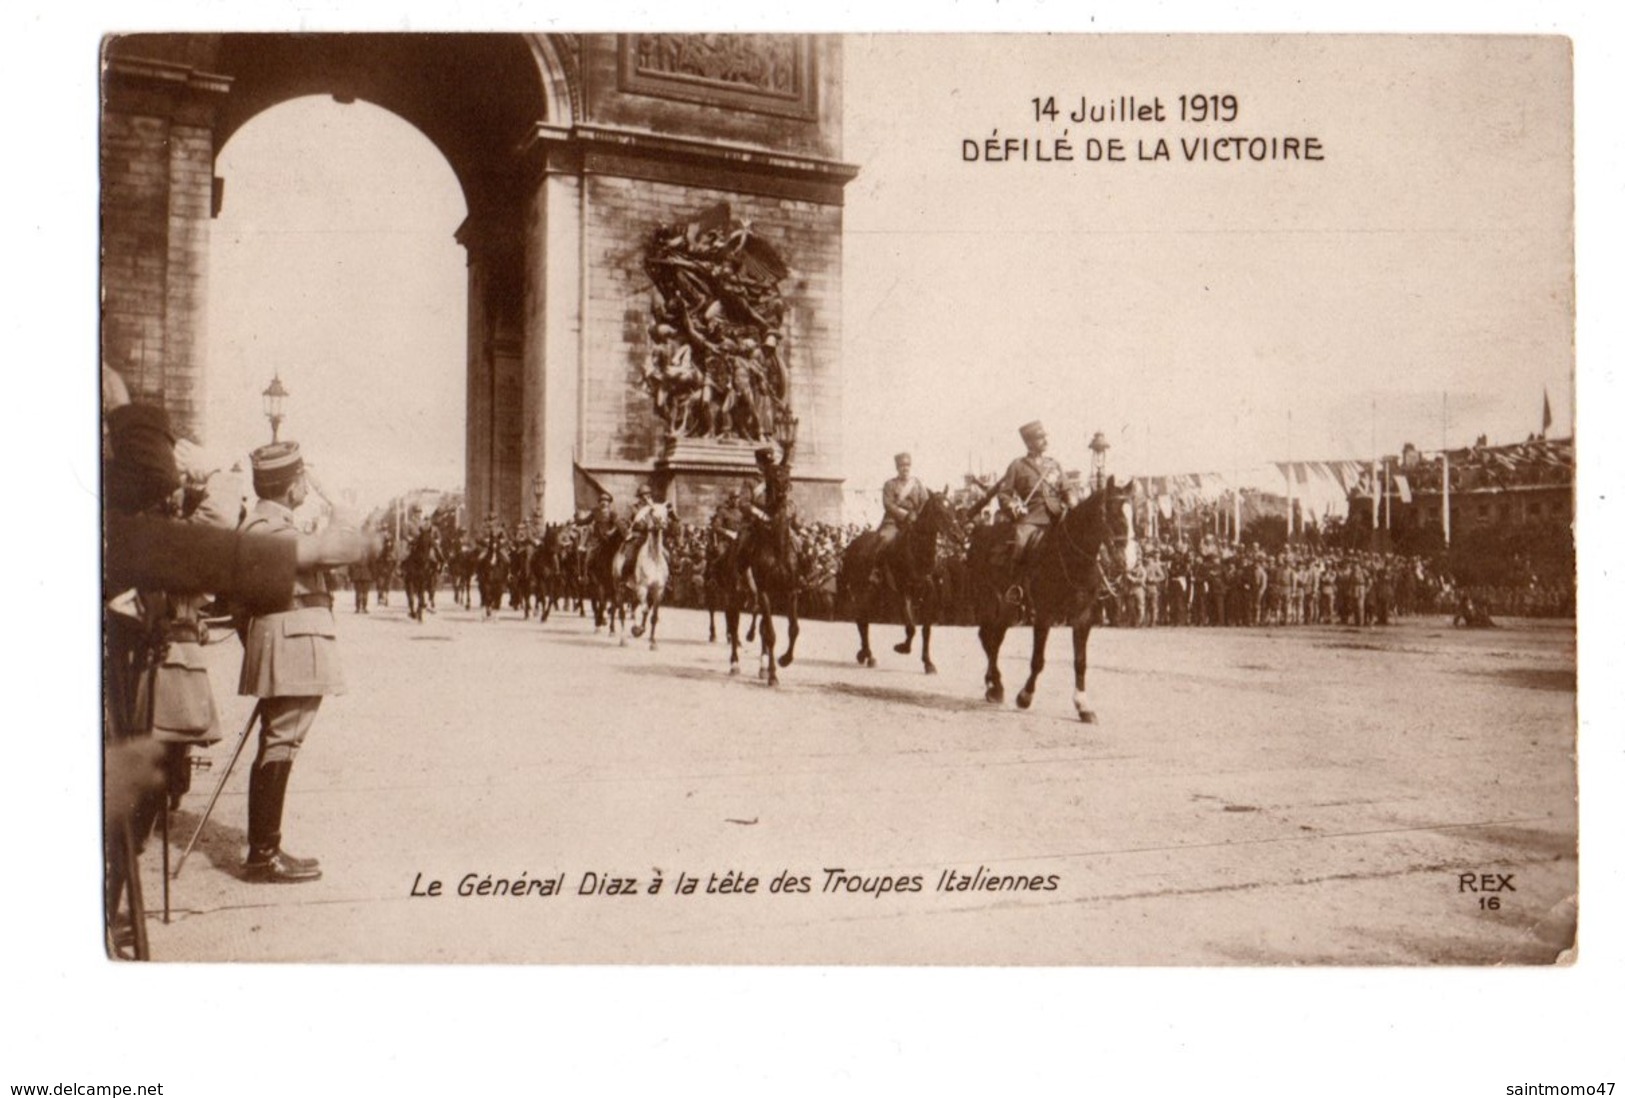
(361, 580)
(774, 492)
(728, 518)
(901, 497)
(645, 516)
(1033, 492)
(605, 523)
(290, 662)
(1156, 575)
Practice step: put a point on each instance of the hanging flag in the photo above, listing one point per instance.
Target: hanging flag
(1403, 483)
(1545, 412)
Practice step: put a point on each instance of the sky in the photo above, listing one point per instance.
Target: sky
(1204, 316)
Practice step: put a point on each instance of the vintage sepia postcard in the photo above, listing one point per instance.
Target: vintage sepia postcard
(778, 499)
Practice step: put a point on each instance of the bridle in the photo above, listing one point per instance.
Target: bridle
(1113, 550)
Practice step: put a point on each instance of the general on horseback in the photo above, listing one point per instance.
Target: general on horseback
(643, 563)
(1050, 557)
(767, 560)
(900, 559)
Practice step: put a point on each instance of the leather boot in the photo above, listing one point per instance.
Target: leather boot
(267, 862)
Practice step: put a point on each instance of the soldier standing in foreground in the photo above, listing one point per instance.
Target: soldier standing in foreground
(290, 661)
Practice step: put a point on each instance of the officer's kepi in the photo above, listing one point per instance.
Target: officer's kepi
(276, 465)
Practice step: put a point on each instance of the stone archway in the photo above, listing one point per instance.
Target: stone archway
(570, 150)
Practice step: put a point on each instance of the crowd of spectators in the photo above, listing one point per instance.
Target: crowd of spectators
(1208, 584)
(1534, 462)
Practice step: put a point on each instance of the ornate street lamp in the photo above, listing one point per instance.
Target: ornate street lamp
(274, 396)
(1097, 464)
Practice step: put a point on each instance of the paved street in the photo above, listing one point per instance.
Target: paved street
(1304, 796)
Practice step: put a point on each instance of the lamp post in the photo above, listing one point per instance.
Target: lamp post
(1097, 464)
(274, 396)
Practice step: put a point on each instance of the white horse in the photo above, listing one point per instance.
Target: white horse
(650, 574)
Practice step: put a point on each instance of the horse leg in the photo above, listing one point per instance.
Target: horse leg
(750, 634)
(767, 670)
(1040, 642)
(730, 625)
(711, 617)
(1080, 664)
(866, 658)
(925, 647)
(639, 607)
(992, 638)
(652, 617)
(907, 644)
(789, 656)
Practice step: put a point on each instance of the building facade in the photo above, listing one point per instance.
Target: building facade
(653, 238)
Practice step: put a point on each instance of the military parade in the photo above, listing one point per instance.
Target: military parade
(619, 499)
(1036, 548)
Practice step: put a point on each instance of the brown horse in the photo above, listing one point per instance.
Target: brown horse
(420, 572)
(491, 574)
(909, 568)
(767, 575)
(603, 581)
(1062, 582)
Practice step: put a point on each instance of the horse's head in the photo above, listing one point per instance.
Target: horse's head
(941, 517)
(1118, 504)
(1107, 519)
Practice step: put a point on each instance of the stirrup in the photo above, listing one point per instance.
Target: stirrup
(1016, 594)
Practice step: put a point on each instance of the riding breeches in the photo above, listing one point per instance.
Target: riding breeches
(284, 724)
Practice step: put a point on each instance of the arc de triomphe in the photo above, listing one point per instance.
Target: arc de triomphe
(653, 239)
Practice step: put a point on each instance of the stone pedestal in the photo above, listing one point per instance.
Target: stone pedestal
(696, 473)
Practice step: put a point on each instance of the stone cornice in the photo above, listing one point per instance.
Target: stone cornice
(167, 75)
(638, 154)
(182, 93)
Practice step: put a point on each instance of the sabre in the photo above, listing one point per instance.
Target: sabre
(219, 788)
(1047, 478)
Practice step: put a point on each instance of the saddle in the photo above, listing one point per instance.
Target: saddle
(887, 551)
(1011, 566)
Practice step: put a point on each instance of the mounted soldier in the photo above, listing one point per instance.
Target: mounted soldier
(1033, 495)
(647, 513)
(771, 491)
(606, 531)
(901, 497)
(769, 554)
(493, 543)
(604, 524)
(722, 554)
